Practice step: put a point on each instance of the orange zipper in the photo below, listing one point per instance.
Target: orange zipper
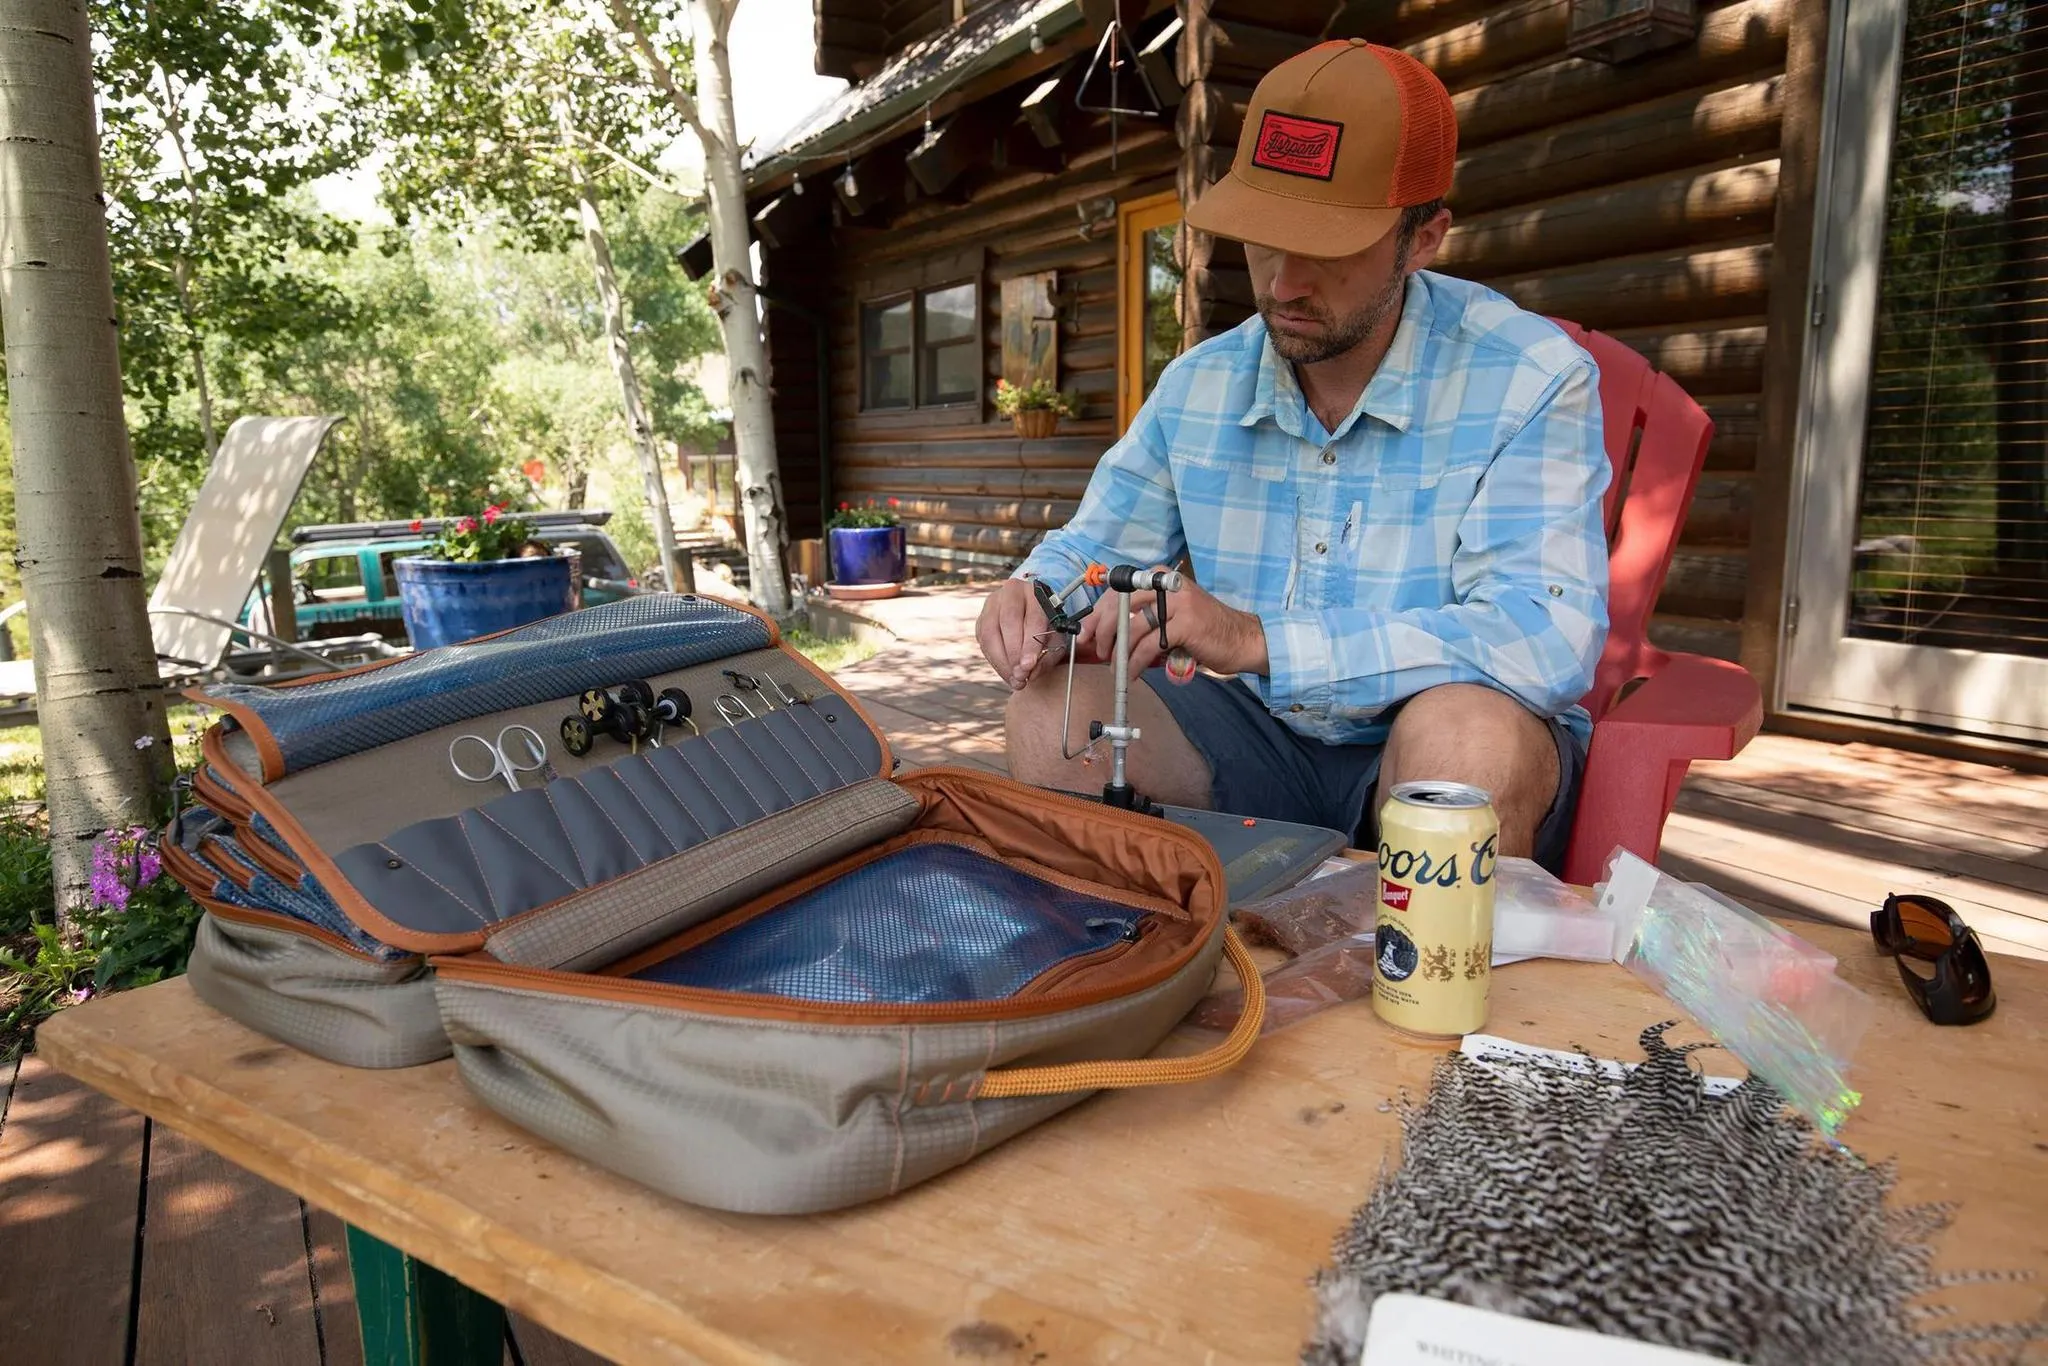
(215, 794)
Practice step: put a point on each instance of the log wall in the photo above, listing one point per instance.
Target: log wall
(1643, 199)
(971, 492)
(1640, 199)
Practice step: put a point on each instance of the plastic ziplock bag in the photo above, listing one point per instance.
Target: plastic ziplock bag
(1327, 924)
(1765, 994)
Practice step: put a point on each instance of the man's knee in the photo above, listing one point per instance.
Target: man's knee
(1031, 721)
(1464, 732)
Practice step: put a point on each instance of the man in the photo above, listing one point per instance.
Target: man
(1387, 486)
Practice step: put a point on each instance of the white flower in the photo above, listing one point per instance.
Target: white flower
(144, 741)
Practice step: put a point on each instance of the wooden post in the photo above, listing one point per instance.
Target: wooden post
(284, 608)
(1799, 157)
(413, 1315)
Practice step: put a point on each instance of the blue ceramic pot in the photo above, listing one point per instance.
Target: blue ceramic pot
(444, 601)
(869, 554)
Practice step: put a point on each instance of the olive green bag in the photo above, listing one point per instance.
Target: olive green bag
(744, 965)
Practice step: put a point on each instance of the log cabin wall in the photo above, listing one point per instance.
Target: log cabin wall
(971, 493)
(1638, 198)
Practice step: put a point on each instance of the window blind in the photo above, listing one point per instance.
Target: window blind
(1952, 529)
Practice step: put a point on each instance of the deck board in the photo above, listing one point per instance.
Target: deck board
(70, 1186)
(334, 1289)
(224, 1271)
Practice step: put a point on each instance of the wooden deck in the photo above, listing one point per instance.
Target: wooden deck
(122, 1242)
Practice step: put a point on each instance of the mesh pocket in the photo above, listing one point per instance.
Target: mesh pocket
(930, 923)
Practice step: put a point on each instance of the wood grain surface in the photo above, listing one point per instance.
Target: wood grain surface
(1167, 1226)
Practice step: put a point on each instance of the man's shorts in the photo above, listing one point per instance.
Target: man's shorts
(1261, 767)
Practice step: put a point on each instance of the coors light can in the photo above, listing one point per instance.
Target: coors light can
(1433, 942)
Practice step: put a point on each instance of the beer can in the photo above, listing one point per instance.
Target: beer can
(1433, 936)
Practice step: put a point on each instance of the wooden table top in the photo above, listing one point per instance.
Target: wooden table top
(1173, 1225)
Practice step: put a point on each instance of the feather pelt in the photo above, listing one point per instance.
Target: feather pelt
(1642, 1207)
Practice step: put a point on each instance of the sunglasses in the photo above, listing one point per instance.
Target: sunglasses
(1940, 960)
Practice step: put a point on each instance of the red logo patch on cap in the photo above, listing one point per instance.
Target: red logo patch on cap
(1296, 145)
(1395, 895)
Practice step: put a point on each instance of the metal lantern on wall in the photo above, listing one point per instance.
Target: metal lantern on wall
(1621, 30)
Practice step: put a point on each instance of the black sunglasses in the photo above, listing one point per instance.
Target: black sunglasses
(1940, 960)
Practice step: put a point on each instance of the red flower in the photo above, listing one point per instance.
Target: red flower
(467, 524)
(845, 506)
(895, 502)
(418, 524)
(493, 513)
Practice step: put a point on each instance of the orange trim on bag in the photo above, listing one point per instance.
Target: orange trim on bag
(229, 866)
(273, 756)
(324, 870)
(272, 921)
(214, 793)
(1204, 914)
(1123, 1074)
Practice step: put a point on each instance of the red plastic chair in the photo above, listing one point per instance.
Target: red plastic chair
(1687, 707)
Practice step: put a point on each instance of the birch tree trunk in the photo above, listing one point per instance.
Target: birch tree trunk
(106, 748)
(737, 303)
(677, 571)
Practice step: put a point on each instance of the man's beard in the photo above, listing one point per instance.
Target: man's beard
(1338, 334)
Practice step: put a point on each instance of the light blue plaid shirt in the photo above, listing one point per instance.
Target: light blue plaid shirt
(1448, 531)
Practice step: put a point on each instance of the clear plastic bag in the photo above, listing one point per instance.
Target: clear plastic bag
(1327, 925)
(1766, 995)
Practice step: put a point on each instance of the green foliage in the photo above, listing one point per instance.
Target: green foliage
(829, 653)
(214, 122)
(138, 930)
(1012, 399)
(862, 516)
(474, 538)
(27, 892)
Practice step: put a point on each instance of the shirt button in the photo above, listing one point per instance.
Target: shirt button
(1322, 547)
(1329, 457)
(1556, 591)
(1295, 707)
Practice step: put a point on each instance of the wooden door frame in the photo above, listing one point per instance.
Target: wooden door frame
(1134, 219)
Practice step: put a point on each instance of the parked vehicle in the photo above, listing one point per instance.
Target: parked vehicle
(343, 583)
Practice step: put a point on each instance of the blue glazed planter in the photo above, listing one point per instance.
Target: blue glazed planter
(872, 554)
(444, 601)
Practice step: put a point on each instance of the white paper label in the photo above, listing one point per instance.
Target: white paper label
(1412, 1330)
(1491, 1048)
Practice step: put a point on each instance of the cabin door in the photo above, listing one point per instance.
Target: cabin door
(1919, 583)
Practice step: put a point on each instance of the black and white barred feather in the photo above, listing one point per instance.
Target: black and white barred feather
(1645, 1208)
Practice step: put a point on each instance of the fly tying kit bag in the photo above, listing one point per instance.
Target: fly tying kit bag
(646, 872)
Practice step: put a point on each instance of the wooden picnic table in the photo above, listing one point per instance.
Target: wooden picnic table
(1172, 1225)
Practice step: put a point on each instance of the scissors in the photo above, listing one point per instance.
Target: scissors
(519, 750)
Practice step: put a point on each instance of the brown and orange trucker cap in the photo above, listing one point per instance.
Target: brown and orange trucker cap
(1337, 141)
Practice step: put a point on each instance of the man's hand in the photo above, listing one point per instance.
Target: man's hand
(1009, 630)
(1220, 638)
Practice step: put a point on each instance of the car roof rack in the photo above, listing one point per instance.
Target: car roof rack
(429, 526)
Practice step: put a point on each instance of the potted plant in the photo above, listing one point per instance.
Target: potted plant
(480, 575)
(868, 557)
(1034, 409)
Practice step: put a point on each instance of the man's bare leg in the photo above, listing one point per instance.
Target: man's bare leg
(1162, 764)
(1465, 733)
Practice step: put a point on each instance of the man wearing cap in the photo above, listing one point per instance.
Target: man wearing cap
(1388, 488)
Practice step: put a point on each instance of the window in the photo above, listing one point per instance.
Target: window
(1148, 298)
(885, 354)
(333, 577)
(921, 349)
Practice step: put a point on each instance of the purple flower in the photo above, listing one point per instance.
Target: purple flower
(79, 995)
(122, 860)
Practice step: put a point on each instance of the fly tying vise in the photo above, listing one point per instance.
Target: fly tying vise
(1122, 580)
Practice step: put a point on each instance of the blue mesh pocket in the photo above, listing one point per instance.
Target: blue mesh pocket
(928, 923)
(632, 638)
